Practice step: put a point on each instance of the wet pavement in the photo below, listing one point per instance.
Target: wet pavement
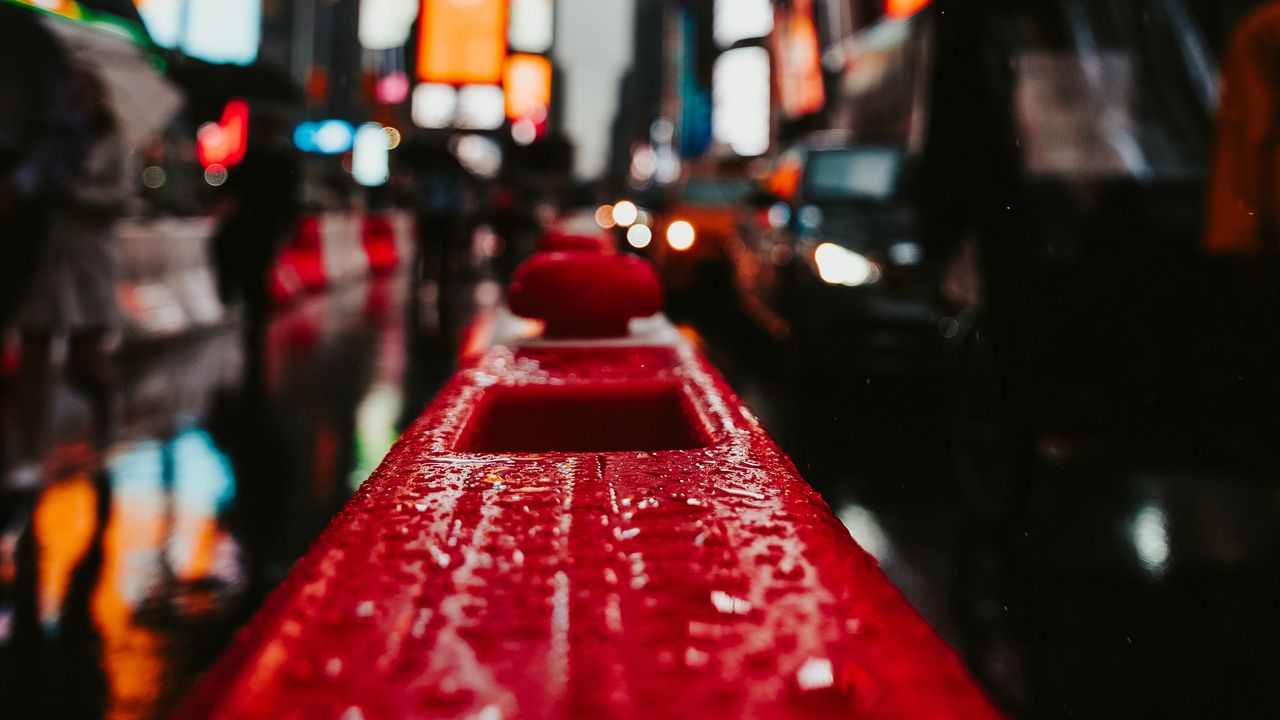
(1132, 580)
(1130, 583)
(128, 571)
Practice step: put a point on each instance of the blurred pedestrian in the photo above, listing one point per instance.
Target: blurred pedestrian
(73, 283)
(445, 202)
(261, 194)
(44, 137)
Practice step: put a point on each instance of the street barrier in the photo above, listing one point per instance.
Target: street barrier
(587, 529)
(168, 284)
(378, 234)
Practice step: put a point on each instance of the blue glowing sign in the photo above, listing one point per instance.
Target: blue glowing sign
(327, 137)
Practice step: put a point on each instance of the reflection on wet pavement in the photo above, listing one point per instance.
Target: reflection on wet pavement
(125, 574)
(1135, 581)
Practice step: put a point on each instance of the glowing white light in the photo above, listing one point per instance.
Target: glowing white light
(625, 213)
(479, 155)
(668, 170)
(434, 105)
(163, 19)
(532, 26)
(370, 162)
(385, 24)
(838, 266)
(481, 107)
(740, 95)
(741, 20)
(866, 531)
(524, 132)
(222, 31)
(639, 236)
(662, 131)
(681, 235)
(1151, 539)
(644, 163)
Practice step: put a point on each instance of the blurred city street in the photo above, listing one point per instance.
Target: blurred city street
(128, 572)
(999, 278)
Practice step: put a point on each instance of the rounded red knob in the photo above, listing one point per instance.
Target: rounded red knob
(584, 294)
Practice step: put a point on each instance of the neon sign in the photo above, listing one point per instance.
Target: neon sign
(224, 142)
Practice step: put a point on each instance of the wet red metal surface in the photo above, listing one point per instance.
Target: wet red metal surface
(620, 581)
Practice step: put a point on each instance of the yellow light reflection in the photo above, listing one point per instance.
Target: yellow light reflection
(130, 652)
(65, 518)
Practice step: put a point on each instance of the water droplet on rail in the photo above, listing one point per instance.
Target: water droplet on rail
(737, 492)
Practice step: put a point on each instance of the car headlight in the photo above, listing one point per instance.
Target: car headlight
(838, 266)
(681, 235)
(638, 236)
(625, 213)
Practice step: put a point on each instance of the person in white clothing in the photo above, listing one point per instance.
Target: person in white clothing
(73, 288)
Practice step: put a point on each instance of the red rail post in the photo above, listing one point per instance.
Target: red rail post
(587, 530)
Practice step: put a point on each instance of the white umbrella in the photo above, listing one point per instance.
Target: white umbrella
(143, 101)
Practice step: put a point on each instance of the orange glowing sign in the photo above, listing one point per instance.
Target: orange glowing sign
(797, 56)
(904, 8)
(462, 41)
(67, 8)
(224, 142)
(528, 84)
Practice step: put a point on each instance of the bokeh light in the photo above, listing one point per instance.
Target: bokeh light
(681, 235)
(639, 236)
(625, 213)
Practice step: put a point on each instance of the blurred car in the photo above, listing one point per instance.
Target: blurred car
(698, 218)
(831, 259)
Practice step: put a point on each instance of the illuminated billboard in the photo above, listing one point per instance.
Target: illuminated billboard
(216, 31)
(528, 86)
(737, 20)
(434, 105)
(385, 24)
(370, 162)
(796, 52)
(471, 107)
(740, 100)
(327, 137)
(480, 107)
(163, 19)
(462, 41)
(533, 25)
